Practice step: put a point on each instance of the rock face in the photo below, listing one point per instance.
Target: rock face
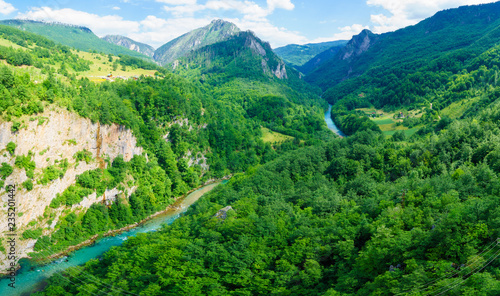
(222, 213)
(216, 31)
(345, 62)
(264, 50)
(358, 45)
(130, 44)
(58, 137)
(280, 71)
(255, 46)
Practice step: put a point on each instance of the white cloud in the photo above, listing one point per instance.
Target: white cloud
(252, 16)
(116, 8)
(409, 12)
(6, 8)
(183, 10)
(157, 31)
(268, 32)
(100, 25)
(178, 2)
(250, 9)
(284, 4)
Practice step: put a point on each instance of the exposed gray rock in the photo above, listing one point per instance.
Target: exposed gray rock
(222, 213)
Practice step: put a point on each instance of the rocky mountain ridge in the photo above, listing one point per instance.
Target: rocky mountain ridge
(130, 44)
(216, 31)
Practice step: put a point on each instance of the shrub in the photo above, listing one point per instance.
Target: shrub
(5, 170)
(11, 147)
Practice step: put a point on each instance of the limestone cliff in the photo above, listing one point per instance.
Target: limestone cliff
(51, 137)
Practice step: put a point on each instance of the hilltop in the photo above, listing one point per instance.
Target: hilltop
(216, 31)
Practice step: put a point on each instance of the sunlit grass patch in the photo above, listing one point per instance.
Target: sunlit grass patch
(269, 136)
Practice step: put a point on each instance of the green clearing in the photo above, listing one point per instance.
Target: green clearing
(102, 67)
(408, 132)
(457, 109)
(8, 43)
(387, 123)
(383, 121)
(269, 136)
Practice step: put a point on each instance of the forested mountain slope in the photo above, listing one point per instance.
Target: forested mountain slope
(244, 71)
(455, 34)
(321, 58)
(316, 215)
(81, 38)
(452, 75)
(297, 55)
(356, 216)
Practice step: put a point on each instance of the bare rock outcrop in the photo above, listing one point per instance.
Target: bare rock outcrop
(52, 137)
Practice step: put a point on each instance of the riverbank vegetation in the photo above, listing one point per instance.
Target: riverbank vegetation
(362, 215)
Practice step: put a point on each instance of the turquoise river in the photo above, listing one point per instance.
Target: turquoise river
(30, 276)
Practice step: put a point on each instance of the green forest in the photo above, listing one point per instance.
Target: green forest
(229, 136)
(368, 214)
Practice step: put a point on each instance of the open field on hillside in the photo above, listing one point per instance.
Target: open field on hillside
(101, 67)
(8, 43)
(387, 123)
(269, 136)
(457, 109)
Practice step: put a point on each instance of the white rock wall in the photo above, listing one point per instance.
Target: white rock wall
(51, 140)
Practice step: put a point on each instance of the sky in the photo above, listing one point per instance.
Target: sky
(280, 22)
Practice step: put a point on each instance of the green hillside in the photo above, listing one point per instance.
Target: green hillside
(245, 71)
(321, 58)
(442, 60)
(458, 33)
(73, 36)
(298, 55)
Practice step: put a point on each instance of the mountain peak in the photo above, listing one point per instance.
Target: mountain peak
(359, 44)
(218, 30)
(220, 22)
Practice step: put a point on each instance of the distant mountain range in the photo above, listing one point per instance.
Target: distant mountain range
(465, 31)
(142, 48)
(84, 39)
(298, 55)
(79, 37)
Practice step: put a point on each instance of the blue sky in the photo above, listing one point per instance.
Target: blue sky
(279, 22)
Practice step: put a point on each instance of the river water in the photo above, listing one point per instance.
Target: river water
(330, 124)
(30, 276)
